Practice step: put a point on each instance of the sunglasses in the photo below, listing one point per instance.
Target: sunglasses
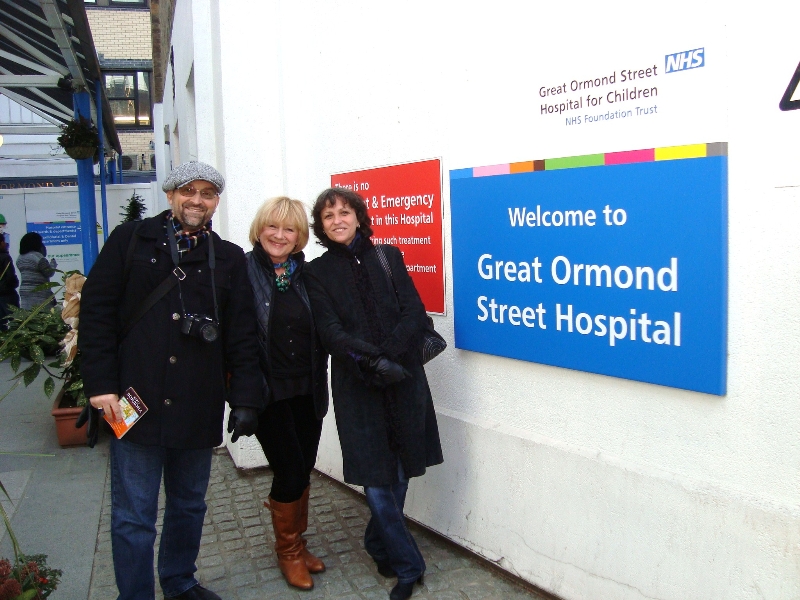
(188, 191)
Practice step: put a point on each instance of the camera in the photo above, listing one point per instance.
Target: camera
(200, 326)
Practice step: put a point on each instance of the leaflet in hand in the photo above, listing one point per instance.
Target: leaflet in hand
(133, 408)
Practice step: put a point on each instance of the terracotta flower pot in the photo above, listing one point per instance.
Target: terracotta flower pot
(65, 418)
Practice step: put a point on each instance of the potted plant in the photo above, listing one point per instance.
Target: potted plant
(30, 334)
(79, 138)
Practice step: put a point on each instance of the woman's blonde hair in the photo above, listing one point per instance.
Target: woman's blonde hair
(281, 211)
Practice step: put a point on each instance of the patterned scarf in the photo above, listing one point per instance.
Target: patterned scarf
(187, 240)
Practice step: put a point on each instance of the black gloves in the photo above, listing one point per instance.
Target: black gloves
(242, 421)
(90, 415)
(380, 371)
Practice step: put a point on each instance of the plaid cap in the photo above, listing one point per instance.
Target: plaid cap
(192, 171)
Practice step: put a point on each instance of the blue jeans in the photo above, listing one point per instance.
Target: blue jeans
(135, 482)
(387, 538)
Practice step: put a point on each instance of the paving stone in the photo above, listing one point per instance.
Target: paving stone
(340, 547)
(436, 583)
(234, 534)
(238, 560)
(210, 561)
(336, 536)
(212, 573)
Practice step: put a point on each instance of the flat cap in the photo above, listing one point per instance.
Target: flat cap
(192, 171)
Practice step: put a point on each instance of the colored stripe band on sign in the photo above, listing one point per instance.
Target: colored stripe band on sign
(597, 160)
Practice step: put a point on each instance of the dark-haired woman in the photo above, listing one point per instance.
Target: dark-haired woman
(34, 270)
(295, 371)
(8, 283)
(372, 327)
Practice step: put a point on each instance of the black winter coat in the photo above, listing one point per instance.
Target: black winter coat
(180, 378)
(263, 283)
(361, 415)
(8, 280)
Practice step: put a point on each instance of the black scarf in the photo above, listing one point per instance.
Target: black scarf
(354, 253)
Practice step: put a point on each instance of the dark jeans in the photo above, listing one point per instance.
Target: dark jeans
(289, 431)
(387, 538)
(135, 481)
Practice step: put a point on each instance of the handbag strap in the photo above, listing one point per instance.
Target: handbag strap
(386, 268)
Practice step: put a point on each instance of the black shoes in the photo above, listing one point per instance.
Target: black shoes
(198, 592)
(385, 570)
(403, 591)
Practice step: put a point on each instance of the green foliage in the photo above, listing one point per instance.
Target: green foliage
(134, 210)
(79, 132)
(32, 334)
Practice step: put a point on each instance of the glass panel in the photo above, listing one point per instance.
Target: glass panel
(124, 112)
(144, 98)
(119, 86)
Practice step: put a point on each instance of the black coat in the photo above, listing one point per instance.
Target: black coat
(361, 414)
(263, 283)
(180, 378)
(8, 280)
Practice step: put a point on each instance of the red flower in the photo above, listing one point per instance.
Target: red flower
(10, 589)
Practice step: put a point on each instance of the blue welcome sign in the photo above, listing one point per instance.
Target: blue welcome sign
(610, 263)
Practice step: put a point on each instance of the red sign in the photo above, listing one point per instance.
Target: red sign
(405, 205)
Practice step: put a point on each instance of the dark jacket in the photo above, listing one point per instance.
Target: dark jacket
(263, 283)
(180, 378)
(361, 409)
(8, 280)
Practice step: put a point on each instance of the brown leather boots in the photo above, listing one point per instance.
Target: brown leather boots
(290, 521)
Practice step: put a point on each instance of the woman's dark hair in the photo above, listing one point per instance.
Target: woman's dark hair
(30, 242)
(348, 197)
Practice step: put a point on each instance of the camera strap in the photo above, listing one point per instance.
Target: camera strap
(170, 282)
(180, 275)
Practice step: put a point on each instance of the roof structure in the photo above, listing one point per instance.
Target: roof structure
(46, 52)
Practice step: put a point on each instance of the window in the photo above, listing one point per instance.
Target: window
(129, 97)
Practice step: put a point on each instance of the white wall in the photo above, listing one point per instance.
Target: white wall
(587, 486)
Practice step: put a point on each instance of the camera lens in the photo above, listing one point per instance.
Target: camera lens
(209, 332)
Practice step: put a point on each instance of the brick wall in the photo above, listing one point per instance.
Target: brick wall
(121, 34)
(135, 142)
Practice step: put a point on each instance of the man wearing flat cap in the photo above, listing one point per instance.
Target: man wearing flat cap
(167, 310)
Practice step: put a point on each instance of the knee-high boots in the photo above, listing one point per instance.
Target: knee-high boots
(314, 564)
(290, 521)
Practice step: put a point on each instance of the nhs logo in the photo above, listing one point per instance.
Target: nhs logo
(680, 61)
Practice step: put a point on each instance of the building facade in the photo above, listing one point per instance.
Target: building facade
(586, 485)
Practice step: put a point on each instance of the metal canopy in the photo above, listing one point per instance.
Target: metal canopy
(46, 52)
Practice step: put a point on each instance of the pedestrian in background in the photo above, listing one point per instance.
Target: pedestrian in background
(371, 322)
(295, 369)
(34, 270)
(8, 283)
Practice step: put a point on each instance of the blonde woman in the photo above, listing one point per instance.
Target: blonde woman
(295, 369)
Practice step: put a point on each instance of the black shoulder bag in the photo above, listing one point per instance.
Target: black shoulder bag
(433, 344)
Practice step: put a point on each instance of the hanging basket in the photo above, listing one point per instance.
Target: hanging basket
(81, 152)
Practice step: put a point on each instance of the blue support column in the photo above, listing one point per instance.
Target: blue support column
(98, 98)
(82, 104)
